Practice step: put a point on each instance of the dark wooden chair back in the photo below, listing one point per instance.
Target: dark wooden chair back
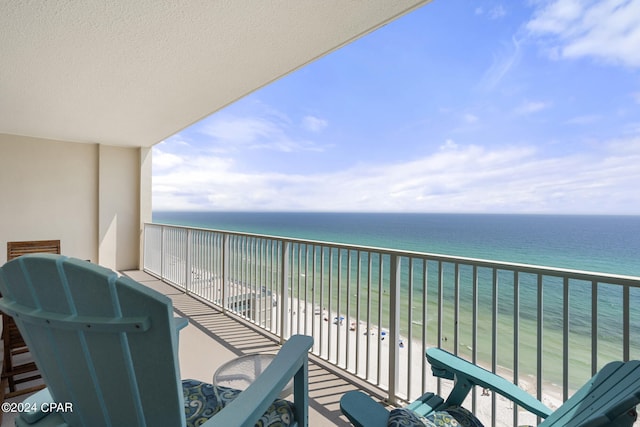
(18, 367)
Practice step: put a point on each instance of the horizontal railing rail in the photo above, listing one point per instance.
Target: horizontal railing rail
(374, 311)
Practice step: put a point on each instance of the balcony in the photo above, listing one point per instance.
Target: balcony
(213, 338)
(246, 293)
(546, 329)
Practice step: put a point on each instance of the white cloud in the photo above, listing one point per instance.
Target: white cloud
(497, 12)
(556, 17)
(239, 130)
(458, 179)
(449, 144)
(531, 107)
(584, 120)
(314, 124)
(471, 118)
(162, 160)
(267, 130)
(608, 30)
(502, 64)
(625, 146)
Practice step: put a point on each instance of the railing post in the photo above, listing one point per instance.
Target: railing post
(626, 324)
(516, 338)
(540, 342)
(284, 290)
(225, 272)
(187, 262)
(162, 252)
(394, 327)
(565, 338)
(144, 246)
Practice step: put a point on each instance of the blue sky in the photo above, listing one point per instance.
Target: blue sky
(461, 106)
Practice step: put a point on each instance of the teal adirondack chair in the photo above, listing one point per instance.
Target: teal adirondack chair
(107, 348)
(607, 399)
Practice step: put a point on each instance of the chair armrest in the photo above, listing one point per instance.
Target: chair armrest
(290, 362)
(33, 404)
(180, 323)
(363, 411)
(467, 375)
(36, 409)
(426, 404)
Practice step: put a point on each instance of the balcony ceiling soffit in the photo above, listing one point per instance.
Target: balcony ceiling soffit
(133, 73)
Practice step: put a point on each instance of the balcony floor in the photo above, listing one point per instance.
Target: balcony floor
(213, 338)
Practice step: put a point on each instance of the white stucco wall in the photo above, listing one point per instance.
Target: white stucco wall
(86, 195)
(118, 201)
(48, 191)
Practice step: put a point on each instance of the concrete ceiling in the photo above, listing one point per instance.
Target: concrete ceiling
(134, 72)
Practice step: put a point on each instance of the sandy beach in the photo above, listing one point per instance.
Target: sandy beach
(364, 351)
(340, 339)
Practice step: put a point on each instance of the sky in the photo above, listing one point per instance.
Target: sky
(462, 106)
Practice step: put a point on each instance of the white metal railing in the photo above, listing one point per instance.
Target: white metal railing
(373, 311)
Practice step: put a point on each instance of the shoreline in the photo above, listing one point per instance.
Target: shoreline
(305, 318)
(353, 333)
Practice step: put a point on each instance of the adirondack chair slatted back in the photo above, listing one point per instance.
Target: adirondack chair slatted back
(105, 343)
(609, 394)
(13, 372)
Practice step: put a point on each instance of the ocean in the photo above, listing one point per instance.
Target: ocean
(603, 244)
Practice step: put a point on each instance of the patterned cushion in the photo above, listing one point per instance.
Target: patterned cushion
(202, 401)
(452, 417)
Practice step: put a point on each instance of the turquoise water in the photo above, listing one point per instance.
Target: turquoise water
(607, 244)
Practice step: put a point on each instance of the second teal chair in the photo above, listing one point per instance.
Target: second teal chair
(607, 399)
